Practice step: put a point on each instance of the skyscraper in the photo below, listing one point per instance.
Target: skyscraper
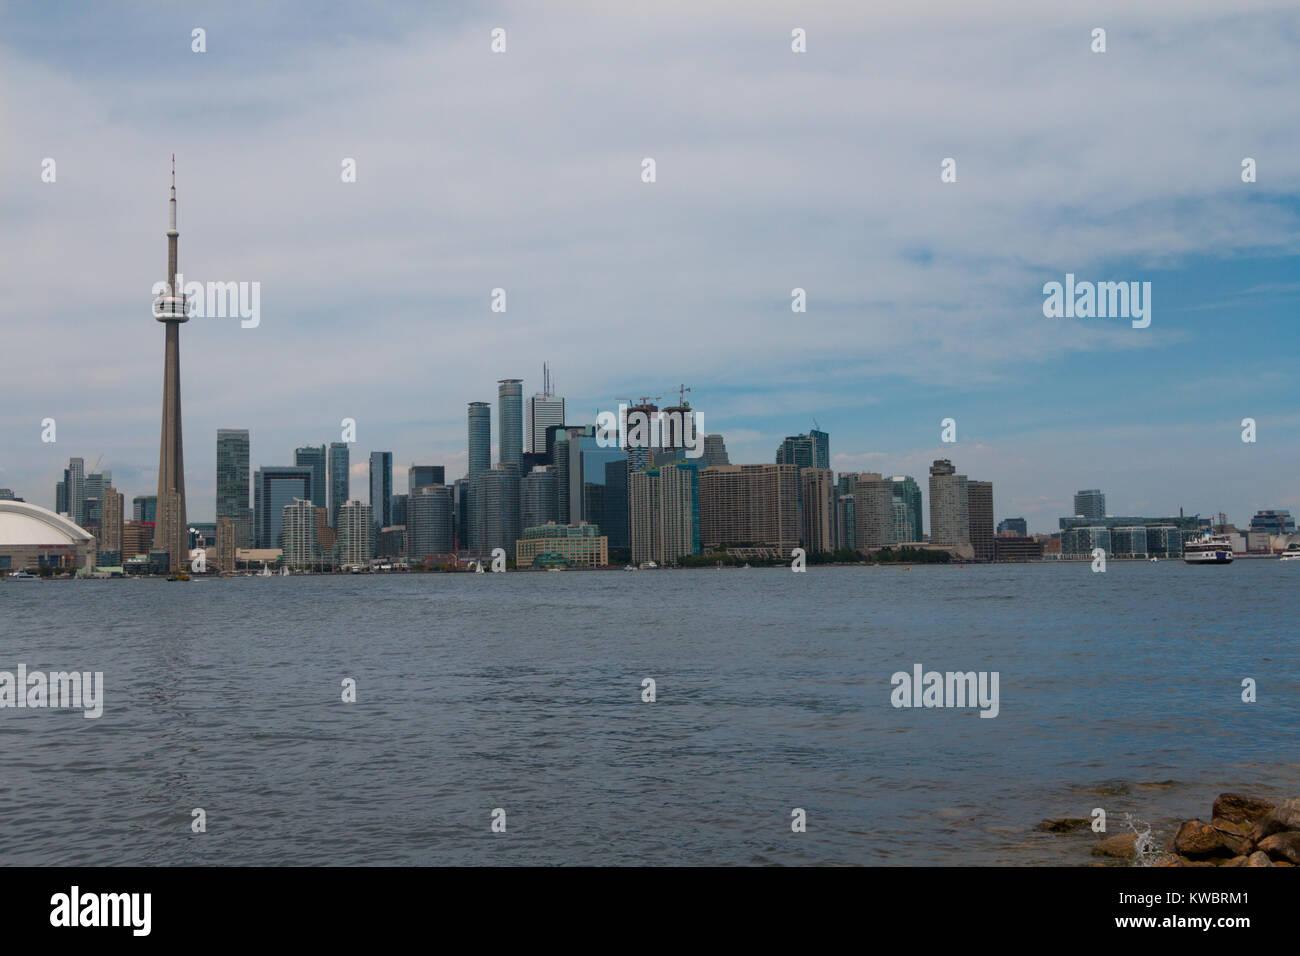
(339, 479)
(381, 488)
(110, 534)
(510, 421)
(429, 513)
(480, 460)
(715, 452)
(313, 457)
(171, 532)
(1090, 503)
(873, 511)
(750, 505)
(144, 509)
(806, 451)
(949, 505)
(544, 409)
(232, 483)
(818, 513)
(298, 524)
(979, 497)
(417, 476)
(74, 480)
(907, 491)
(355, 534)
(273, 488)
(538, 497)
(496, 497)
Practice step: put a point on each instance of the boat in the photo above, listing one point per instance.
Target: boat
(648, 566)
(1291, 554)
(179, 576)
(284, 572)
(265, 572)
(1208, 549)
(630, 567)
(23, 576)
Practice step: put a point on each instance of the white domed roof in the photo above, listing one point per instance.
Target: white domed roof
(23, 523)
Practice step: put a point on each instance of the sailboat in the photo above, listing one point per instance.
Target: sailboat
(284, 572)
(265, 572)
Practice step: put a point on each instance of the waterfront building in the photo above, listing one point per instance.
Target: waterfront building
(550, 545)
(817, 492)
(232, 483)
(979, 496)
(274, 487)
(908, 493)
(430, 525)
(873, 509)
(510, 421)
(313, 457)
(750, 505)
(381, 488)
(340, 480)
(32, 537)
(949, 505)
(355, 535)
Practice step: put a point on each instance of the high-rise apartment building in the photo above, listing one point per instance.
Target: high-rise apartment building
(979, 497)
(949, 505)
(818, 510)
(750, 505)
(908, 493)
(480, 460)
(538, 495)
(232, 483)
(313, 457)
(381, 488)
(873, 511)
(225, 557)
(496, 499)
(111, 523)
(1090, 503)
(664, 506)
(340, 479)
(298, 534)
(510, 421)
(355, 535)
(429, 522)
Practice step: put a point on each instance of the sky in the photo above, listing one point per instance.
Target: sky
(775, 170)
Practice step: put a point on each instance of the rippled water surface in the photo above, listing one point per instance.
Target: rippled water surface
(523, 691)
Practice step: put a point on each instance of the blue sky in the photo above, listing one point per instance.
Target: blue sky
(775, 170)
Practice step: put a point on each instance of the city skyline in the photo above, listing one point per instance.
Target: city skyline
(923, 315)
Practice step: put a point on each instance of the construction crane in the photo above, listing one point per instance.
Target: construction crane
(681, 395)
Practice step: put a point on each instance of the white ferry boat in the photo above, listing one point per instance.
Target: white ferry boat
(1208, 549)
(1291, 554)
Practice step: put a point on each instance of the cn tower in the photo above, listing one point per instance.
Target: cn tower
(171, 532)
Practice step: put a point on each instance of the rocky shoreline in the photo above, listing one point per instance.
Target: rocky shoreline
(1243, 831)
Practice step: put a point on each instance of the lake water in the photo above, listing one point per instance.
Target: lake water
(522, 691)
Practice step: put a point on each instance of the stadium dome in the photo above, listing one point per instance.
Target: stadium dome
(34, 537)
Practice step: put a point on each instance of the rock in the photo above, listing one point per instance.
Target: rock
(1199, 840)
(1239, 809)
(1123, 846)
(1064, 824)
(1239, 861)
(1236, 836)
(1282, 846)
(1285, 816)
(1258, 858)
